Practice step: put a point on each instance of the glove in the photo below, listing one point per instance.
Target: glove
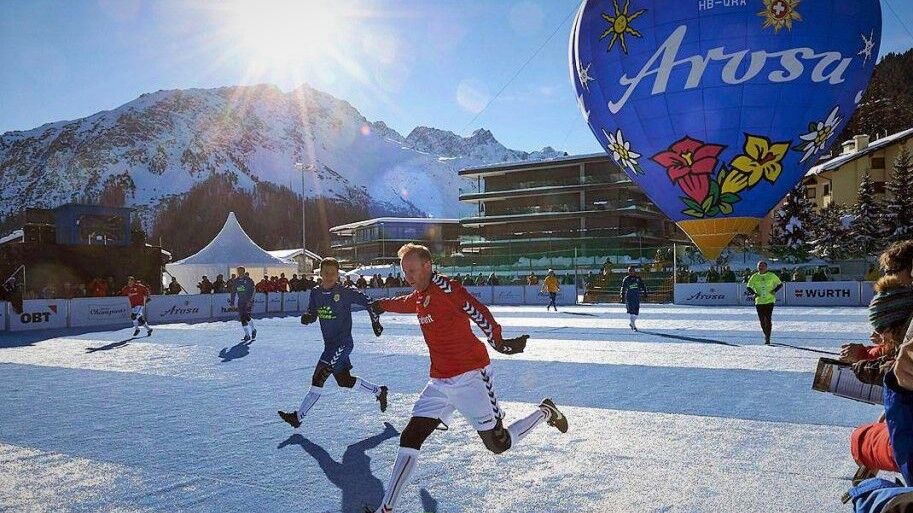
(376, 308)
(378, 329)
(308, 318)
(511, 345)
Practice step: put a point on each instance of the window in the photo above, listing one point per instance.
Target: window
(827, 189)
(877, 162)
(810, 193)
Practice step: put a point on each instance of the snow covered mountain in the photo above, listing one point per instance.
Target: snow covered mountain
(162, 143)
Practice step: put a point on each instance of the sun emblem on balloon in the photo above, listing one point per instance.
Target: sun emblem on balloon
(620, 25)
(780, 13)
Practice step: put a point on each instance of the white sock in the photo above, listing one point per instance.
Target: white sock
(136, 323)
(367, 386)
(251, 324)
(633, 318)
(246, 330)
(309, 400)
(524, 426)
(402, 472)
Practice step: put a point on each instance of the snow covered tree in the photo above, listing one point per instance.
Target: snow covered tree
(831, 229)
(898, 211)
(867, 229)
(792, 224)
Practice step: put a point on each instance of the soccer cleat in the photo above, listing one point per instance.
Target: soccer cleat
(291, 418)
(382, 398)
(148, 332)
(555, 417)
(382, 509)
(253, 335)
(135, 331)
(245, 339)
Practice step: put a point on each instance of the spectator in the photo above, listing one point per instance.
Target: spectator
(493, 280)
(728, 275)
(49, 292)
(205, 285)
(174, 287)
(469, 281)
(361, 283)
(294, 283)
(283, 283)
(230, 284)
(784, 275)
(746, 274)
(713, 276)
(262, 285)
(458, 278)
(98, 287)
(898, 260)
(219, 286)
(348, 282)
(890, 313)
(798, 275)
(390, 281)
(532, 279)
(274, 284)
(819, 274)
(111, 290)
(872, 273)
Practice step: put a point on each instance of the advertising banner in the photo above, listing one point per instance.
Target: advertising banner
(3, 307)
(746, 299)
(824, 293)
(221, 309)
(99, 311)
(182, 307)
(868, 292)
(39, 314)
(509, 295)
(259, 303)
(482, 292)
(274, 302)
(290, 302)
(707, 294)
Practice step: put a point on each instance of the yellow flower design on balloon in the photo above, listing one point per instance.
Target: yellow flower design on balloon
(760, 160)
(734, 181)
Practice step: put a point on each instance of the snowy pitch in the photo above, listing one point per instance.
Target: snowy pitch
(691, 414)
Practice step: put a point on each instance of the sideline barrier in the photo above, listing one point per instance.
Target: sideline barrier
(99, 311)
(805, 293)
(39, 314)
(114, 311)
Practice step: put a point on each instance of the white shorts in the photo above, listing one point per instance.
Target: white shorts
(138, 310)
(471, 393)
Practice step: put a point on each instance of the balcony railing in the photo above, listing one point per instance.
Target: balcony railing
(566, 208)
(534, 184)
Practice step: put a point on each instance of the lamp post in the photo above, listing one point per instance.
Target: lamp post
(302, 168)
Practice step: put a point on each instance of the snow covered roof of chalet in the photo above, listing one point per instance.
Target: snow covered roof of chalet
(231, 246)
(873, 146)
(11, 237)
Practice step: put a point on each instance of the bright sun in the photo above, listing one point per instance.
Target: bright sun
(283, 32)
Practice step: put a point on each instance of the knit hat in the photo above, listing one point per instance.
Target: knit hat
(891, 307)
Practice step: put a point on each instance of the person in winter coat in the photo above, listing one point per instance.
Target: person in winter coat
(174, 287)
(263, 285)
(283, 283)
(218, 286)
(205, 285)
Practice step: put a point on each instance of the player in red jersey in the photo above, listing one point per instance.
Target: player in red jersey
(461, 374)
(138, 295)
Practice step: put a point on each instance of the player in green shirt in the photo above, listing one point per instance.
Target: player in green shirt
(764, 287)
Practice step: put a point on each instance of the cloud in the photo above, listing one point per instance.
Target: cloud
(472, 95)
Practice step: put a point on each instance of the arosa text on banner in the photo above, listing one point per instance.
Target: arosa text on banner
(164, 309)
(707, 294)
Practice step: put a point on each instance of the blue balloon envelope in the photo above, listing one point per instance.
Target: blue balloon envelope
(717, 108)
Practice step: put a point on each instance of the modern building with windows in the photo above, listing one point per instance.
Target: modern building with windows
(560, 204)
(376, 241)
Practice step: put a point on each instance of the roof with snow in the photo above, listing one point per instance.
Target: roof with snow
(504, 166)
(873, 146)
(14, 236)
(288, 254)
(392, 220)
(232, 245)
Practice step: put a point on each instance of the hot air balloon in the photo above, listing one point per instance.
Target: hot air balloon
(717, 108)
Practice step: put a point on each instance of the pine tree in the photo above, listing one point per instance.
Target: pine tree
(831, 229)
(898, 212)
(866, 230)
(792, 223)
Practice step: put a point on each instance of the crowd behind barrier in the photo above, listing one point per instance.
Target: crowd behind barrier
(829, 293)
(115, 311)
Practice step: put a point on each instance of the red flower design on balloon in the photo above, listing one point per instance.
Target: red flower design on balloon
(689, 163)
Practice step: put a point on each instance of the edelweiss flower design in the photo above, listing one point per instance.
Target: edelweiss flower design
(622, 152)
(818, 135)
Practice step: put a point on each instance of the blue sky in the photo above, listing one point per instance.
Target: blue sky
(408, 63)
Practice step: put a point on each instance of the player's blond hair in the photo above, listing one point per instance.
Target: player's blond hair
(414, 249)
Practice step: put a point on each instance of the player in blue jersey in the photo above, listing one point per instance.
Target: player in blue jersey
(243, 289)
(332, 304)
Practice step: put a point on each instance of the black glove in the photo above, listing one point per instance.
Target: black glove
(512, 345)
(378, 329)
(308, 318)
(376, 308)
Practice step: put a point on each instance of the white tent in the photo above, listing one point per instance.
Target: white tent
(232, 247)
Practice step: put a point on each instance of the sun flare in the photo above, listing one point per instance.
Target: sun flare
(279, 33)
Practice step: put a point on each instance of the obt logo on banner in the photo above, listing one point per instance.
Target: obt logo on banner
(40, 314)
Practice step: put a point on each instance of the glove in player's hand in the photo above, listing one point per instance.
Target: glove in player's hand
(308, 318)
(512, 345)
(376, 308)
(378, 329)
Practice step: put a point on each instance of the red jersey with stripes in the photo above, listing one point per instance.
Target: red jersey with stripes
(444, 310)
(137, 294)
